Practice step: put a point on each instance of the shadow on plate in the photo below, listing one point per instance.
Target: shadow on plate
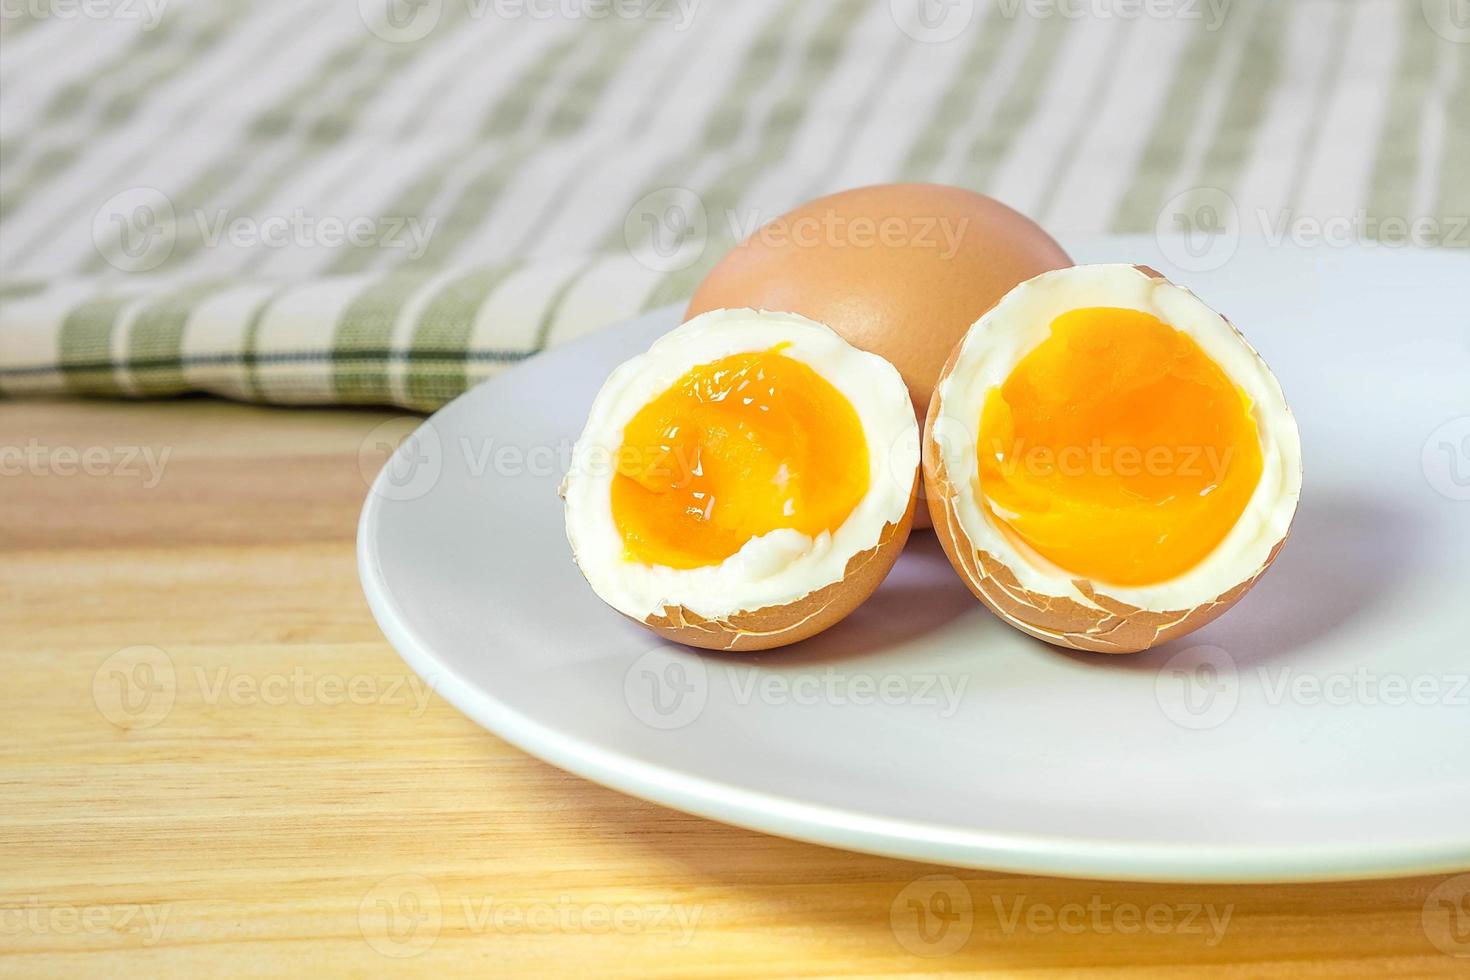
(920, 595)
(1345, 555)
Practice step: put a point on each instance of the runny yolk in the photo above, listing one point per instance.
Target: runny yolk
(1117, 449)
(735, 449)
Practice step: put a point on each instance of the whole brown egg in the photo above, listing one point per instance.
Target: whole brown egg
(901, 270)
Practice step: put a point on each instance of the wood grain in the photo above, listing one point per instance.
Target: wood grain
(288, 795)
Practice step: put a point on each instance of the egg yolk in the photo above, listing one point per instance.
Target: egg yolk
(1117, 449)
(737, 448)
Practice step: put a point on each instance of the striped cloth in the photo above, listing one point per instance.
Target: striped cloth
(384, 201)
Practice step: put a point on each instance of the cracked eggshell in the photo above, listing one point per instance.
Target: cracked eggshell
(782, 586)
(1025, 589)
(777, 626)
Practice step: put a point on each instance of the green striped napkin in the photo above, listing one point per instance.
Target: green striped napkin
(385, 201)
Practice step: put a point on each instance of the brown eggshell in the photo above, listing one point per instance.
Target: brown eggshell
(778, 626)
(1115, 627)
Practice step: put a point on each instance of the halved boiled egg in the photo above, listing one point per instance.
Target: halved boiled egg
(1109, 464)
(745, 483)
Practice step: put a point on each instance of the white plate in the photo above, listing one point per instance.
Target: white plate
(1319, 730)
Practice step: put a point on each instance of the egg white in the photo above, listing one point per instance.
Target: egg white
(773, 569)
(1020, 322)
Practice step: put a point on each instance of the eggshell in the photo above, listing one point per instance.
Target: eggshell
(777, 626)
(900, 270)
(779, 587)
(1107, 625)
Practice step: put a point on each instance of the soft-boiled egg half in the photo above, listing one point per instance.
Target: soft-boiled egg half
(1109, 464)
(745, 483)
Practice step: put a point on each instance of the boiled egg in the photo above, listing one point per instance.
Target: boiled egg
(1109, 464)
(745, 483)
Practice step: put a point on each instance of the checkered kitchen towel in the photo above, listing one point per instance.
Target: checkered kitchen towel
(383, 201)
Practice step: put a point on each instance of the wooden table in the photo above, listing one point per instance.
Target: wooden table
(212, 763)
